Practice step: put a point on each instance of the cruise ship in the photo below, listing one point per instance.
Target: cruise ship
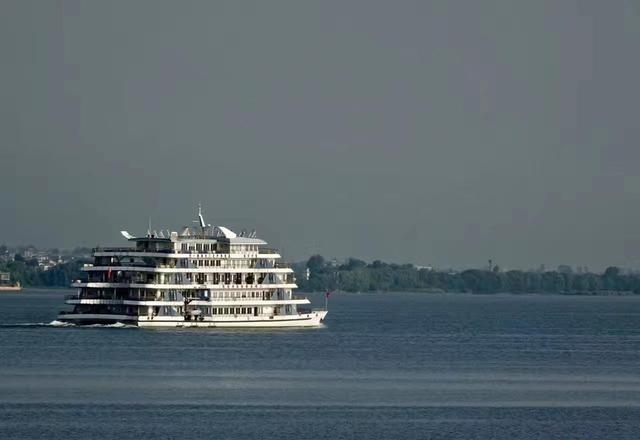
(202, 276)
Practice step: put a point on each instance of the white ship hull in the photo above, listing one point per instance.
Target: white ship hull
(313, 319)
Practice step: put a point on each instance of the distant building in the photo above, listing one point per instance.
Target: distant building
(542, 268)
(5, 282)
(429, 268)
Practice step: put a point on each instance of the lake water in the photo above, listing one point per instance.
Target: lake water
(405, 365)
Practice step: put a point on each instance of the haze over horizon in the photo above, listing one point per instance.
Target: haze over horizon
(432, 132)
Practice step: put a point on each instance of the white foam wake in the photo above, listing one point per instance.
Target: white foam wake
(56, 323)
(115, 325)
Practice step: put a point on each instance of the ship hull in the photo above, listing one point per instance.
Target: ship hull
(313, 319)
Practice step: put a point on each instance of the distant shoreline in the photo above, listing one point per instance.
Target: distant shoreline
(394, 292)
(317, 274)
(320, 275)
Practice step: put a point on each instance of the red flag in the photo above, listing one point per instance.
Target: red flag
(328, 294)
(109, 274)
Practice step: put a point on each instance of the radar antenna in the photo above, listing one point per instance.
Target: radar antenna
(202, 223)
(127, 235)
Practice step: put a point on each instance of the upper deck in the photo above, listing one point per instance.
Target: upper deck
(193, 249)
(192, 242)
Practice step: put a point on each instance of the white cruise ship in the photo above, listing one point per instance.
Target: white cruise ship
(203, 276)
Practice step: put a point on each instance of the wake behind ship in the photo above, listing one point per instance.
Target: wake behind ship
(201, 277)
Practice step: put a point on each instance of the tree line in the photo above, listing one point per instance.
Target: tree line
(29, 274)
(358, 276)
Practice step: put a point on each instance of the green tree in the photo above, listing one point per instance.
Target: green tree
(316, 263)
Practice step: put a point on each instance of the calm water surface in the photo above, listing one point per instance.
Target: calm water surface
(407, 366)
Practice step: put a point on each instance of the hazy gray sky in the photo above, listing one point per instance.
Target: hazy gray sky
(430, 132)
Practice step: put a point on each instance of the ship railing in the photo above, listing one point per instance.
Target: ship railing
(273, 283)
(279, 265)
(194, 298)
(242, 299)
(109, 297)
(131, 249)
(81, 280)
(207, 284)
(113, 249)
(128, 264)
(268, 251)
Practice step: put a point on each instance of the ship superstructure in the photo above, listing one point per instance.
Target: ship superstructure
(203, 276)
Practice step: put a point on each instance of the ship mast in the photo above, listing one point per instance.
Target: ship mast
(201, 221)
